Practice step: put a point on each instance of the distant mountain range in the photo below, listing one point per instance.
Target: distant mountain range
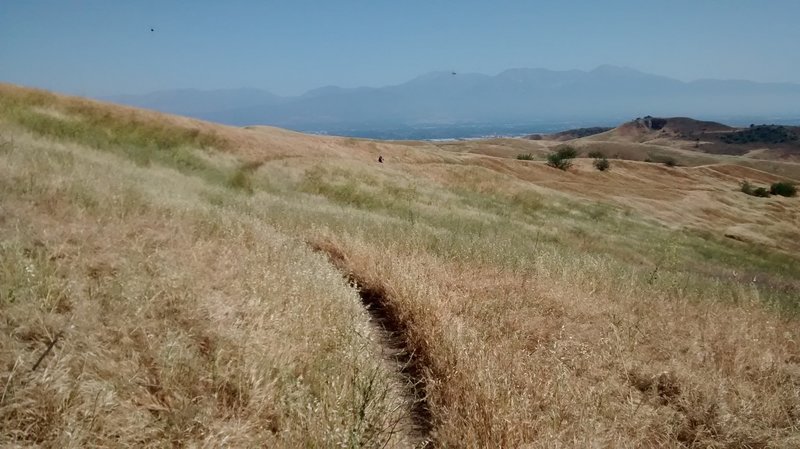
(512, 99)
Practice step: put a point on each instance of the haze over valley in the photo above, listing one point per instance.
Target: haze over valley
(513, 102)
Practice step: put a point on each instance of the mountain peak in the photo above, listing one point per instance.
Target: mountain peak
(518, 95)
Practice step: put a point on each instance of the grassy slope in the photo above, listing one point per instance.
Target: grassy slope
(180, 321)
(633, 143)
(546, 308)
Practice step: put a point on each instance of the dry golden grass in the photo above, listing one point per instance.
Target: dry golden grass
(537, 308)
(174, 322)
(508, 148)
(538, 358)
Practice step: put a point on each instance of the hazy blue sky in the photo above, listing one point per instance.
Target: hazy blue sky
(105, 47)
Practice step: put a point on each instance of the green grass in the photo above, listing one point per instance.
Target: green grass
(508, 230)
(96, 126)
(145, 141)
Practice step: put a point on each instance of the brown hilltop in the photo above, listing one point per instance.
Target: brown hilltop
(650, 128)
(703, 138)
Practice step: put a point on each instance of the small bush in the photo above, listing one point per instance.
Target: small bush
(658, 159)
(525, 157)
(596, 154)
(562, 158)
(747, 187)
(783, 189)
(761, 192)
(602, 164)
(754, 191)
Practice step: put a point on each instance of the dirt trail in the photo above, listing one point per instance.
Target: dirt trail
(397, 350)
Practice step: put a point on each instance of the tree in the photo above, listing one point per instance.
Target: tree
(562, 158)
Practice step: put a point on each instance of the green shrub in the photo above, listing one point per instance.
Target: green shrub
(562, 158)
(783, 189)
(770, 134)
(761, 192)
(755, 191)
(752, 190)
(525, 157)
(658, 159)
(602, 164)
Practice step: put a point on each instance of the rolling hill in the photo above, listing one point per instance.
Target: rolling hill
(765, 142)
(166, 281)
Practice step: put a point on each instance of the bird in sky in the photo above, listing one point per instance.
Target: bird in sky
(151, 30)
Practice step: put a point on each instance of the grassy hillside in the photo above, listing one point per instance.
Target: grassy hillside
(204, 285)
(712, 141)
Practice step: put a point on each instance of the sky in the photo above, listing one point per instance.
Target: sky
(105, 47)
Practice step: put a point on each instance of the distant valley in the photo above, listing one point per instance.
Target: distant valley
(462, 105)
